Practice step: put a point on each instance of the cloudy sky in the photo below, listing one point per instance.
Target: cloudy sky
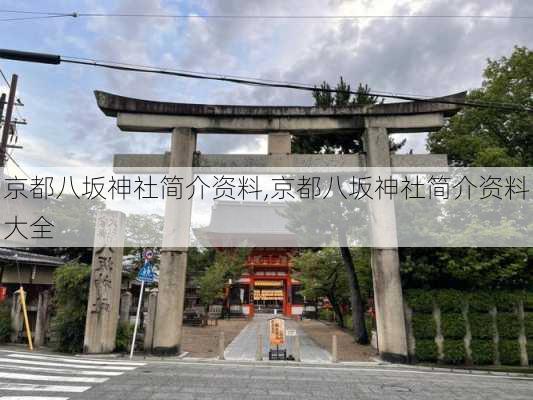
(417, 56)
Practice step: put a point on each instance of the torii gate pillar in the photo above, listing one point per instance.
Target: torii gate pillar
(173, 262)
(388, 298)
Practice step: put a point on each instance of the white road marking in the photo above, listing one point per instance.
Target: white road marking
(60, 370)
(27, 387)
(77, 360)
(60, 378)
(32, 398)
(56, 364)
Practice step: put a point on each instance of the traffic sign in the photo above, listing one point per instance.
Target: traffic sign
(146, 273)
(148, 254)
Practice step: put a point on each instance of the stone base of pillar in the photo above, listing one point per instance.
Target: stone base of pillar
(166, 351)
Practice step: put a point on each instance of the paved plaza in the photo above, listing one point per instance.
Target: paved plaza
(244, 346)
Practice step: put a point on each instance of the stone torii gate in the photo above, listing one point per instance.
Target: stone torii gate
(184, 121)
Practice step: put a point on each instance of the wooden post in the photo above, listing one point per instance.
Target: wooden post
(16, 322)
(7, 122)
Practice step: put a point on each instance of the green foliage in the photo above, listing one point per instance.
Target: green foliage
(124, 336)
(490, 137)
(420, 300)
(5, 322)
(424, 326)
(480, 325)
(454, 352)
(528, 321)
(480, 301)
(426, 350)
(228, 264)
(453, 326)
(509, 352)
(71, 282)
(508, 325)
(450, 300)
(528, 301)
(325, 314)
(482, 352)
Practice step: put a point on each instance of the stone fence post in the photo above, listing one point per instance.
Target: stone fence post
(41, 324)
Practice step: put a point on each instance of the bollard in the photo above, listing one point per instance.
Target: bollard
(334, 357)
(221, 346)
(259, 350)
(297, 348)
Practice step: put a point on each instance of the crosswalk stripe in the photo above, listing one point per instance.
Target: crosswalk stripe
(60, 378)
(27, 387)
(32, 398)
(56, 364)
(60, 370)
(76, 360)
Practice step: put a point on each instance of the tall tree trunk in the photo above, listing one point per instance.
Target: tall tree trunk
(336, 309)
(358, 312)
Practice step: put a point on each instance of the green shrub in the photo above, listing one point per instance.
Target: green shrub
(528, 301)
(5, 322)
(453, 326)
(530, 351)
(71, 282)
(420, 300)
(480, 301)
(482, 352)
(454, 352)
(506, 301)
(124, 336)
(528, 321)
(426, 350)
(450, 301)
(509, 352)
(480, 326)
(423, 326)
(508, 326)
(325, 314)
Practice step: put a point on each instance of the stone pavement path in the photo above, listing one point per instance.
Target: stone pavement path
(244, 346)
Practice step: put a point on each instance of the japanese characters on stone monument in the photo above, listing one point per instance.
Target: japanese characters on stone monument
(104, 293)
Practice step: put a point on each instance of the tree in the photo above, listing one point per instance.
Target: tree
(490, 137)
(340, 144)
(228, 264)
(71, 294)
(483, 137)
(323, 275)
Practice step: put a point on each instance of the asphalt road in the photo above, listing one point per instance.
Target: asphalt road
(40, 376)
(231, 381)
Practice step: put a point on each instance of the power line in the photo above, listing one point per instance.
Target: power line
(285, 85)
(318, 18)
(57, 59)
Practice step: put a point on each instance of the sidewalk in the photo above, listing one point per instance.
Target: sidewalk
(244, 346)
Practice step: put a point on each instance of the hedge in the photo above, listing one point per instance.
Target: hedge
(509, 352)
(424, 326)
(508, 326)
(454, 352)
(421, 301)
(453, 326)
(480, 326)
(482, 352)
(528, 321)
(450, 301)
(426, 350)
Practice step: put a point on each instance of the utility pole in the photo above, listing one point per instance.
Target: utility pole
(7, 122)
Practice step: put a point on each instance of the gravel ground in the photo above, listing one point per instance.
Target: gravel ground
(202, 342)
(348, 350)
